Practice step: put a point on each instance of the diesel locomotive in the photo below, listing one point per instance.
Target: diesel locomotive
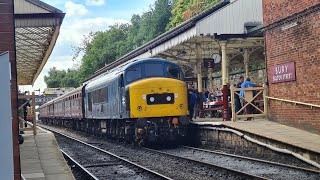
(141, 101)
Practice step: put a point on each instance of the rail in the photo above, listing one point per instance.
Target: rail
(294, 102)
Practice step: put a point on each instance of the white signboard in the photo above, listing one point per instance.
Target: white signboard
(6, 155)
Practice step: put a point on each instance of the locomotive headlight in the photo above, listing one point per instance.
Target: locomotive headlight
(175, 95)
(151, 99)
(168, 98)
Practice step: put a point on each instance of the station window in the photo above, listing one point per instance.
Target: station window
(133, 74)
(154, 70)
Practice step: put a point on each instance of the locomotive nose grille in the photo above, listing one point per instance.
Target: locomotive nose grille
(166, 98)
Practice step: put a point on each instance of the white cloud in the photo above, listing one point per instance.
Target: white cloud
(73, 9)
(94, 2)
(73, 31)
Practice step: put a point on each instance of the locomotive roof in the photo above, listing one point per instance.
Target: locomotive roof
(111, 74)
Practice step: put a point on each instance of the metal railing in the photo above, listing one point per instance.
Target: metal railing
(294, 102)
(248, 99)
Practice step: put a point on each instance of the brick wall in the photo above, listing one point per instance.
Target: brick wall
(273, 10)
(7, 43)
(299, 44)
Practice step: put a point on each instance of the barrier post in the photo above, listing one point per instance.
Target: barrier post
(226, 116)
(233, 108)
(34, 121)
(265, 100)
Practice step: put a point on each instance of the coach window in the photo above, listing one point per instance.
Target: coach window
(133, 74)
(154, 70)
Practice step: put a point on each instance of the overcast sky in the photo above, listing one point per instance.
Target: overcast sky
(82, 17)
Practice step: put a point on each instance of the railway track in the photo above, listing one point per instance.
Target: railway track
(77, 169)
(172, 166)
(262, 168)
(101, 164)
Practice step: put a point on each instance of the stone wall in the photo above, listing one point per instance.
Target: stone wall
(232, 143)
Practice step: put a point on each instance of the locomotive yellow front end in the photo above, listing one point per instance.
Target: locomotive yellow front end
(158, 97)
(160, 108)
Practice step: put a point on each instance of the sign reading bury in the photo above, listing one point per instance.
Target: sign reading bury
(283, 73)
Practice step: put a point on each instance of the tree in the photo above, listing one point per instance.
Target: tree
(185, 9)
(70, 79)
(53, 80)
(104, 48)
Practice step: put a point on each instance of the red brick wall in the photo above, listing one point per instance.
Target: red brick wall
(299, 44)
(273, 10)
(7, 43)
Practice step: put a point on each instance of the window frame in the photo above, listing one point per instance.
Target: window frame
(134, 66)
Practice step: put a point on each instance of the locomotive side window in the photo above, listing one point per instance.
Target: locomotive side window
(89, 102)
(100, 95)
(154, 70)
(133, 74)
(174, 72)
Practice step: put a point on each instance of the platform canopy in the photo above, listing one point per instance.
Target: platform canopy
(234, 24)
(37, 26)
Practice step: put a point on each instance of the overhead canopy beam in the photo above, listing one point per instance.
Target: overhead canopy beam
(37, 26)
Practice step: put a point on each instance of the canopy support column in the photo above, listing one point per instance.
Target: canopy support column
(199, 77)
(246, 61)
(224, 69)
(224, 63)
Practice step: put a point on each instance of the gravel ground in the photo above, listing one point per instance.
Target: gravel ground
(109, 167)
(169, 166)
(248, 166)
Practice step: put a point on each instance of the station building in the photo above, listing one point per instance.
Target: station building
(292, 47)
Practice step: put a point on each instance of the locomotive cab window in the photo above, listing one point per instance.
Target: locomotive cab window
(154, 70)
(174, 72)
(133, 74)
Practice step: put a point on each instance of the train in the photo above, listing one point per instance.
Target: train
(142, 101)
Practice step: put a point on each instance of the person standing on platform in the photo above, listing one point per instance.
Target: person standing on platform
(237, 98)
(192, 101)
(249, 108)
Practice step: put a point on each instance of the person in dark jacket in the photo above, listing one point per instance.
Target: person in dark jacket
(192, 101)
(236, 97)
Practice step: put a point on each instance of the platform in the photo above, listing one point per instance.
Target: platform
(41, 158)
(272, 130)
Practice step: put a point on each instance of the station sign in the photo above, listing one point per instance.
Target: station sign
(208, 63)
(283, 73)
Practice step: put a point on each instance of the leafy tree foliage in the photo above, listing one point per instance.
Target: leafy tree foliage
(54, 77)
(102, 48)
(61, 78)
(185, 9)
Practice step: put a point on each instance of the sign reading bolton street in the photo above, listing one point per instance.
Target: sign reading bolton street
(283, 73)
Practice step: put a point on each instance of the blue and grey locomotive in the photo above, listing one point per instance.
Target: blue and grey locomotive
(141, 101)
